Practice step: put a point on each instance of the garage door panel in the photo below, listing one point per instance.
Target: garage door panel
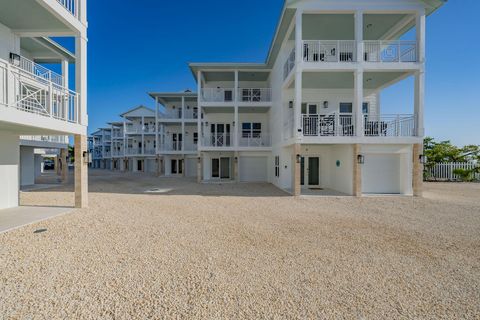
(253, 169)
(381, 174)
(191, 167)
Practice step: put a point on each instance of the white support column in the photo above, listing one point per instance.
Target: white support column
(359, 34)
(419, 102)
(199, 106)
(124, 138)
(81, 77)
(297, 112)
(65, 73)
(156, 127)
(143, 136)
(420, 28)
(81, 172)
(184, 138)
(358, 102)
(235, 113)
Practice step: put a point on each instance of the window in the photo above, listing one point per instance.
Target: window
(365, 107)
(195, 138)
(277, 166)
(346, 107)
(251, 129)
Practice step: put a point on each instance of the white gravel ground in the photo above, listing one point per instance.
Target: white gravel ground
(243, 251)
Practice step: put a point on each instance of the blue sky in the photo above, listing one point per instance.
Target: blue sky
(142, 46)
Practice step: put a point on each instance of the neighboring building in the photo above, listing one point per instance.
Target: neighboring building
(100, 145)
(33, 150)
(309, 118)
(34, 100)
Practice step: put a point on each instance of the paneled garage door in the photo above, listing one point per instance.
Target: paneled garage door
(253, 169)
(381, 174)
(191, 167)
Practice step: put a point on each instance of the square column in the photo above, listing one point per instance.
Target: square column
(64, 165)
(296, 174)
(417, 174)
(81, 172)
(419, 102)
(357, 172)
(199, 168)
(297, 112)
(235, 114)
(81, 78)
(236, 175)
(359, 35)
(358, 103)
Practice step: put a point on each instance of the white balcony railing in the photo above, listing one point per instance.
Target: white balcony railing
(255, 140)
(219, 140)
(329, 51)
(390, 51)
(132, 129)
(118, 153)
(189, 113)
(395, 125)
(53, 139)
(255, 94)
(71, 6)
(333, 124)
(218, 94)
(289, 64)
(32, 88)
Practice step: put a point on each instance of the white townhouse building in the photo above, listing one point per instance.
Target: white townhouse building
(100, 143)
(34, 100)
(33, 149)
(310, 117)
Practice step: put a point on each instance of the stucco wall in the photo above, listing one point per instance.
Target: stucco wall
(9, 169)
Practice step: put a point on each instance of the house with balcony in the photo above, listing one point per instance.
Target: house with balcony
(35, 100)
(177, 116)
(310, 119)
(101, 148)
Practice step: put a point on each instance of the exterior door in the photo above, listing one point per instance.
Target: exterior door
(221, 168)
(220, 133)
(313, 171)
(216, 168)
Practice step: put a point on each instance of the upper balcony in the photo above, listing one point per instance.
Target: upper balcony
(30, 87)
(244, 96)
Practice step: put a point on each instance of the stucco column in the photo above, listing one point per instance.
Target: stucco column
(357, 172)
(417, 174)
(199, 168)
(296, 187)
(81, 77)
(81, 172)
(236, 175)
(63, 159)
(358, 103)
(56, 165)
(183, 166)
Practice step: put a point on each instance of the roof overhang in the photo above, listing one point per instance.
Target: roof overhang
(45, 50)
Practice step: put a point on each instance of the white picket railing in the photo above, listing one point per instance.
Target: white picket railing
(329, 51)
(218, 94)
(289, 64)
(390, 51)
(332, 124)
(188, 113)
(255, 94)
(71, 6)
(218, 140)
(255, 140)
(444, 171)
(54, 139)
(32, 88)
(393, 125)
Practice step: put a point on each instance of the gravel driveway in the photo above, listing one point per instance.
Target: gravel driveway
(189, 251)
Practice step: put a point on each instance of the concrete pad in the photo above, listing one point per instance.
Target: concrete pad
(13, 218)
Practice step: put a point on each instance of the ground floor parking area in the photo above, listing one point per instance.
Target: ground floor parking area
(151, 247)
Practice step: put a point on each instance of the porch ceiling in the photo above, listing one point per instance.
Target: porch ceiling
(344, 80)
(253, 110)
(29, 15)
(341, 26)
(218, 110)
(45, 50)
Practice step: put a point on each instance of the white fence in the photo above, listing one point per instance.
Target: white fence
(444, 171)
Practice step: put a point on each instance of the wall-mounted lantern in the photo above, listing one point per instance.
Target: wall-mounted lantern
(422, 159)
(234, 123)
(325, 104)
(360, 159)
(87, 157)
(15, 59)
(199, 159)
(236, 159)
(290, 104)
(299, 158)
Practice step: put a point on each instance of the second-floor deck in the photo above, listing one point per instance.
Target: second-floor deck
(242, 95)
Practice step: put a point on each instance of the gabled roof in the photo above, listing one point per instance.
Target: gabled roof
(134, 112)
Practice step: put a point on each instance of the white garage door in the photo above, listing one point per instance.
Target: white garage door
(381, 173)
(253, 169)
(191, 167)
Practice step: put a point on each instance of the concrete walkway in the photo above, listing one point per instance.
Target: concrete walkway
(20, 216)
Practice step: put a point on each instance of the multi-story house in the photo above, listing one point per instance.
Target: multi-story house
(177, 138)
(34, 100)
(310, 117)
(100, 148)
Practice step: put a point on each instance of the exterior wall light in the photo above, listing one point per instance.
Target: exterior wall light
(299, 158)
(15, 59)
(236, 159)
(325, 104)
(199, 159)
(422, 159)
(87, 157)
(234, 123)
(290, 104)
(360, 159)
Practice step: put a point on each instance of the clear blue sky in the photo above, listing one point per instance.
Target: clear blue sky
(142, 46)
